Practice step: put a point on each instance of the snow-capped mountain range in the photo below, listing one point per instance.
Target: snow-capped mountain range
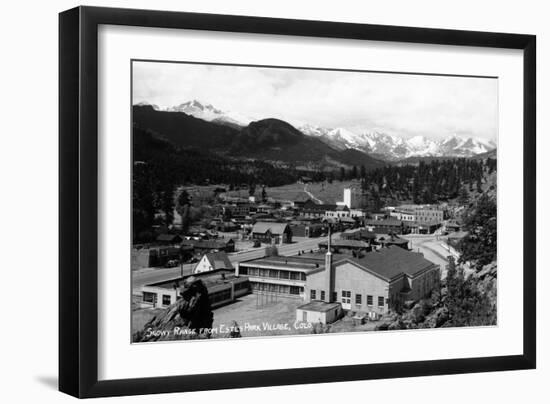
(208, 112)
(383, 145)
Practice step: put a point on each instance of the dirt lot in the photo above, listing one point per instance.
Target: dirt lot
(260, 316)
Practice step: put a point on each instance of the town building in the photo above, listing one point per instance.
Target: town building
(319, 312)
(358, 234)
(280, 275)
(424, 227)
(153, 256)
(339, 211)
(204, 246)
(386, 240)
(352, 198)
(370, 283)
(223, 287)
(386, 226)
(311, 209)
(169, 239)
(346, 246)
(213, 262)
(420, 213)
(452, 226)
(308, 230)
(272, 232)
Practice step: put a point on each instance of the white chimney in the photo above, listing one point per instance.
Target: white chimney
(329, 286)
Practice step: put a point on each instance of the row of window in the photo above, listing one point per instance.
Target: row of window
(150, 297)
(273, 273)
(346, 297)
(220, 296)
(274, 288)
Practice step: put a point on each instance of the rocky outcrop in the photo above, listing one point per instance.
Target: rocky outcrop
(189, 318)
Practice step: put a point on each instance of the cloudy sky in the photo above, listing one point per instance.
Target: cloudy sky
(399, 104)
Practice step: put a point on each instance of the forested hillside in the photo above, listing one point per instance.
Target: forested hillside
(428, 182)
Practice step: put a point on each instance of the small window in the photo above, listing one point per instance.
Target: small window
(369, 300)
(334, 296)
(166, 300)
(380, 301)
(313, 294)
(358, 299)
(149, 297)
(322, 295)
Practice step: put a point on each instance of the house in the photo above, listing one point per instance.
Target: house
(223, 287)
(212, 262)
(272, 232)
(169, 239)
(372, 282)
(308, 230)
(204, 246)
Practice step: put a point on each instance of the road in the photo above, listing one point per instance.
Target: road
(313, 197)
(431, 245)
(146, 276)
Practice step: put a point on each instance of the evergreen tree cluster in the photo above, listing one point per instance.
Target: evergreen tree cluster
(467, 304)
(479, 247)
(427, 182)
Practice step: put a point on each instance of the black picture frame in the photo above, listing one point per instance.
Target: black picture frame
(78, 196)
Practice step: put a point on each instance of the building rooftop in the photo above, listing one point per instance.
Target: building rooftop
(391, 239)
(359, 233)
(318, 305)
(208, 244)
(210, 279)
(273, 227)
(219, 260)
(345, 243)
(168, 237)
(392, 261)
(383, 222)
(304, 263)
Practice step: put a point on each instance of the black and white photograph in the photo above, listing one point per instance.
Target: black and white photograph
(273, 201)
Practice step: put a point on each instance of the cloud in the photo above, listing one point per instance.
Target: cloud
(401, 104)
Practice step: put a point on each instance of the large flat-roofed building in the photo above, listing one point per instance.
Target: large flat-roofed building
(223, 287)
(280, 275)
(419, 213)
(370, 282)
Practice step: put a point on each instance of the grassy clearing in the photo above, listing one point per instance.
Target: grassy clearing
(331, 193)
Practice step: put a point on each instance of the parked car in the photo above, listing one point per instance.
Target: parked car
(172, 263)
